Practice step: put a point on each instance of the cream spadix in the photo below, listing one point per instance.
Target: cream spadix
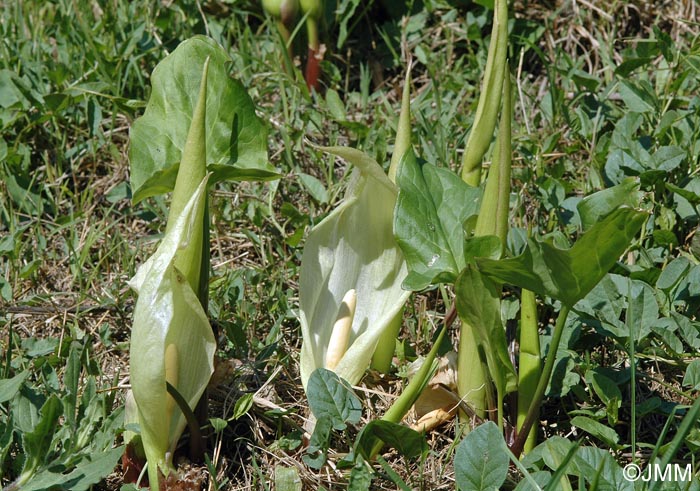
(340, 337)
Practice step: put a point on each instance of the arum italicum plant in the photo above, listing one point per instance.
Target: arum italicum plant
(452, 232)
(171, 340)
(351, 299)
(183, 133)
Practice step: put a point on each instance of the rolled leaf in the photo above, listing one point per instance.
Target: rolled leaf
(489, 100)
(168, 318)
(236, 144)
(352, 248)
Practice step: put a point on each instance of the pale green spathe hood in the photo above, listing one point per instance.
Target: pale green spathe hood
(352, 248)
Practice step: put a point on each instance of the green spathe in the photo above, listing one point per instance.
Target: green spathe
(168, 314)
(352, 248)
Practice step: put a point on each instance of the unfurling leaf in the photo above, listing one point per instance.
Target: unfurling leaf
(236, 142)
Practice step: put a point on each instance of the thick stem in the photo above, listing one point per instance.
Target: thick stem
(473, 382)
(384, 352)
(534, 410)
(314, 55)
(529, 366)
(471, 376)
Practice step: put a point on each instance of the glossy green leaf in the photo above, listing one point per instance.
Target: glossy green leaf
(431, 211)
(168, 318)
(594, 207)
(569, 274)
(596, 429)
(481, 460)
(352, 248)
(236, 144)
(478, 305)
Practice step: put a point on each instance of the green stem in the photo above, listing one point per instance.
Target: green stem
(471, 375)
(414, 388)
(534, 410)
(633, 372)
(312, 33)
(529, 366)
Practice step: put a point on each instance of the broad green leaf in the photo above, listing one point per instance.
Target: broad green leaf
(9, 387)
(169, 319)
(287, 479)
(406, 441)
(236, 144)
(481, 460)
(352, 248)
(431, 211)
(673, 273)
(38, 443)
(478, 305)
(90, 470)
(597, 464)
(691, 379)
(569, 274)
(597, 206)
(331, 397)
(598, 430)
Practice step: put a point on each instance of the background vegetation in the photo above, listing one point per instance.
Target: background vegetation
(605, 90)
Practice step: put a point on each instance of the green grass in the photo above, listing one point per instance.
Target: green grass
(74, 75)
